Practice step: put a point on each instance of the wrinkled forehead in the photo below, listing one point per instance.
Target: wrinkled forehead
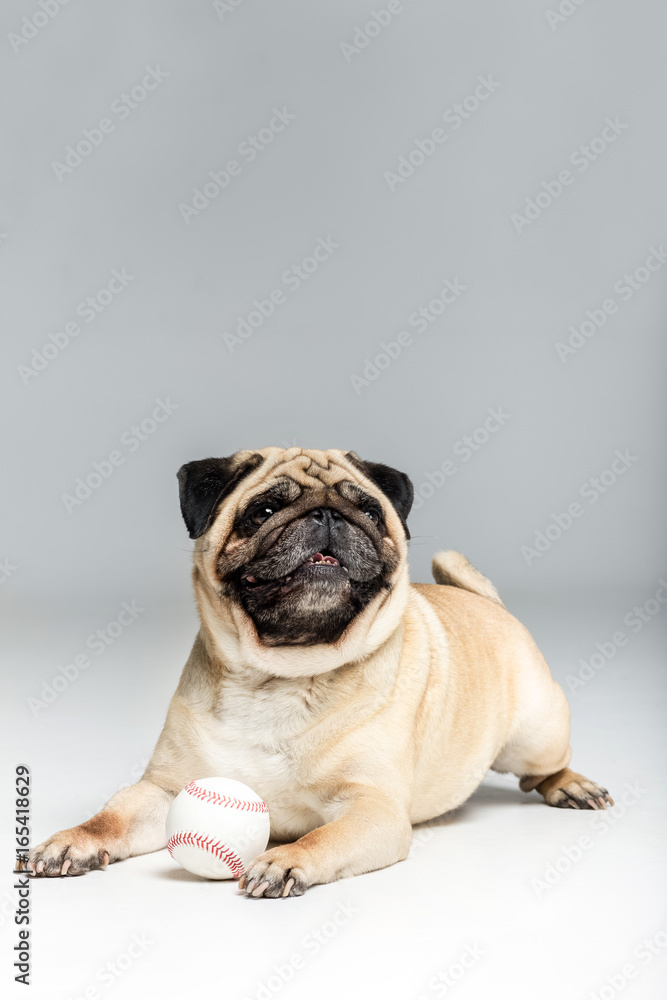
(308, 469)
(288, 474)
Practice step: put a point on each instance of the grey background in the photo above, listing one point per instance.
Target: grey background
(291, 382)
(323, 175)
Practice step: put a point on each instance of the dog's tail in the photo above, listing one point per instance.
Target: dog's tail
(454, 570)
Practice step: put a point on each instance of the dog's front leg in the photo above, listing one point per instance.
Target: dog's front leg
(372, 831)
(131, 823)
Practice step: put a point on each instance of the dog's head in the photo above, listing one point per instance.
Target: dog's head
(298, 543)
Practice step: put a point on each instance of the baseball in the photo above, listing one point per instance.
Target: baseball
(216, 827)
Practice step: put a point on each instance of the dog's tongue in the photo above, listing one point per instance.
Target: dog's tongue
(327, 560)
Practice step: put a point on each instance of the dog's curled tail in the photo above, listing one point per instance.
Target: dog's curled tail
(454, 570)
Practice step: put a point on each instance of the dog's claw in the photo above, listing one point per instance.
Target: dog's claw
(575, 792)
(288, 885)
(274, 875)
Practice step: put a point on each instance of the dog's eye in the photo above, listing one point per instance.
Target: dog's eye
(262, 514)
(373, 514)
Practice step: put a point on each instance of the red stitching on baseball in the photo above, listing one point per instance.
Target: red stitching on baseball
(204, 795)
(221, 851)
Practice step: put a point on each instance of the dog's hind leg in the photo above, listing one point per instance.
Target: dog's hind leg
(539, 751)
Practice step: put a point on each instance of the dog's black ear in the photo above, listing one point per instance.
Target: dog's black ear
(395, 485)
(203, 485)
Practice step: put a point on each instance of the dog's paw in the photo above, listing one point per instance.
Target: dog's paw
(274, 874)
(573, 791)
(70, 852)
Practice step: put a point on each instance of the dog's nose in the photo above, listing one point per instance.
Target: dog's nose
(323, 514)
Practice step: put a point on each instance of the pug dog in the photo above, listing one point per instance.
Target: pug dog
(352, 701)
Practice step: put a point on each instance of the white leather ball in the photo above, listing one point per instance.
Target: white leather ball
(216, 827)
